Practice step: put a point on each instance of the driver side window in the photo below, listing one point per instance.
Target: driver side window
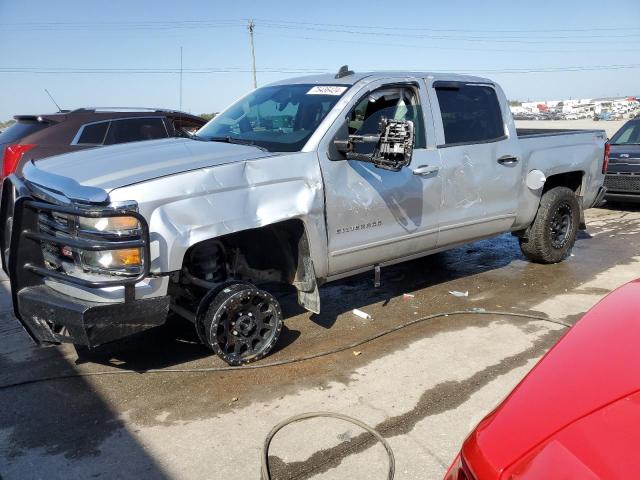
(397, 103)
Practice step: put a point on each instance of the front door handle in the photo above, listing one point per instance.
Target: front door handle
(508, 160)
(424, 170)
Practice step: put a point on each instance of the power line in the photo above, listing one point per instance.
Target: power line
(208, 23)
(150, 71)
(204, 70)
(431, 29)
(355, 29)
(502, 49)
(474, 39)
(123, 25)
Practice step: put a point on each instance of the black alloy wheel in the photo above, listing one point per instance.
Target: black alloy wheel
(242, 323)
(560, 226)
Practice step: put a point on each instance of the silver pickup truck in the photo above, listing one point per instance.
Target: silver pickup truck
(303, 181)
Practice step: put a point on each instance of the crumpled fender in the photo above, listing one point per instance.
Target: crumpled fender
(185, 209)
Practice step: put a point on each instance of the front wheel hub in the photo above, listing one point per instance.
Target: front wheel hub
(245, 324)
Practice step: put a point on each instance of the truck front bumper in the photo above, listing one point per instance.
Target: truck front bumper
(51, 317)
(48, 315)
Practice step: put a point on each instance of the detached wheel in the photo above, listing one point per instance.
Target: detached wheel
(242, 323)
(553, 232)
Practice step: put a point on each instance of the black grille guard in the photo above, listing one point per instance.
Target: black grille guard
(21, 241)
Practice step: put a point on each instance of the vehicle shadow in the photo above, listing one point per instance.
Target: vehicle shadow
(59, 429)
(622, 206)
(174, 343)
(355, 292)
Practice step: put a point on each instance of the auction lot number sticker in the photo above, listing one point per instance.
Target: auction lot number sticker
(326, 90)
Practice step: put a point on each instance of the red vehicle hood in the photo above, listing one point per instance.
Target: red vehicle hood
(601, 445)
(580, 398)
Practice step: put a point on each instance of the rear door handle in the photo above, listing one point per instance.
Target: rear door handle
(424, 170)
(508, 160)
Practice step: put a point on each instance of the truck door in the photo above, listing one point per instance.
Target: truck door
(373, 214)
(481, 168)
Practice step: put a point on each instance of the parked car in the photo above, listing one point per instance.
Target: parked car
(623, 173)
(607, 116)
(575, 415)
(34, 137)
(302, 182)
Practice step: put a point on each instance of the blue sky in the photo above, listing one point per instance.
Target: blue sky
(59, 39)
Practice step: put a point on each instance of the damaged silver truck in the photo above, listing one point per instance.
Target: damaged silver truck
(303, 182)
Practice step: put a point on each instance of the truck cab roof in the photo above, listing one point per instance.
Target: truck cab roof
(355, 77)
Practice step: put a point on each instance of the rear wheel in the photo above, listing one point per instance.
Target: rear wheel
(242, 323)
(553, 232)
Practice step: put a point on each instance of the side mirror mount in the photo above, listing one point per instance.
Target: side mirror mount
(393, 150)
(339, 146)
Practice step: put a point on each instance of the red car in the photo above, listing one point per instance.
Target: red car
(576, 415)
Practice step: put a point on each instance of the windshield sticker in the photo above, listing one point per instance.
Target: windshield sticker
(326, 90)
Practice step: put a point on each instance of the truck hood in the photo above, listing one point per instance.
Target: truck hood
(593, 366)
(107, 168)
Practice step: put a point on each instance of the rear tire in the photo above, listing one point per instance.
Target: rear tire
(553, 231)
(242, 323)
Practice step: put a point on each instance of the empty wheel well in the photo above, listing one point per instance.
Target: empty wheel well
(273, 253)
(572, 180)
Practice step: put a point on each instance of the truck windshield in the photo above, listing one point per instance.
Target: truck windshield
(279, 118)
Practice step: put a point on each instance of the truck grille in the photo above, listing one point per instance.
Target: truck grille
(622, 183)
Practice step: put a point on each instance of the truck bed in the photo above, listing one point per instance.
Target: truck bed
(557, 151)
(548, 132)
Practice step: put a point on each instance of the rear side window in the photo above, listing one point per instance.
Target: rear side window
(20, 130)
(135, 129)
(93, 134)
(470, 113)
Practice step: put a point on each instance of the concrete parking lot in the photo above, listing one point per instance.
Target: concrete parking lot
(423, 387)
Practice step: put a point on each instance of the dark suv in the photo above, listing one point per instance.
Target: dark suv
(623, 173)
(34, 137)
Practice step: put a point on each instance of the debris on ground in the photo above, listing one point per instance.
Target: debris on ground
(456, 293)
(356, 353)
(408, 295)
(361, 314)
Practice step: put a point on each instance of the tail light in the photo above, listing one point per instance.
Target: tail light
(605, 162)
(12, 155)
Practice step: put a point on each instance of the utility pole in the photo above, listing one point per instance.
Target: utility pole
(180, 108)
(251, 27)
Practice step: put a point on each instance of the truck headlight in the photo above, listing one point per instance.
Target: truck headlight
(123, 225)
(127, 259)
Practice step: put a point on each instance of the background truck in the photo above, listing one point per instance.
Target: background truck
(303, 182)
